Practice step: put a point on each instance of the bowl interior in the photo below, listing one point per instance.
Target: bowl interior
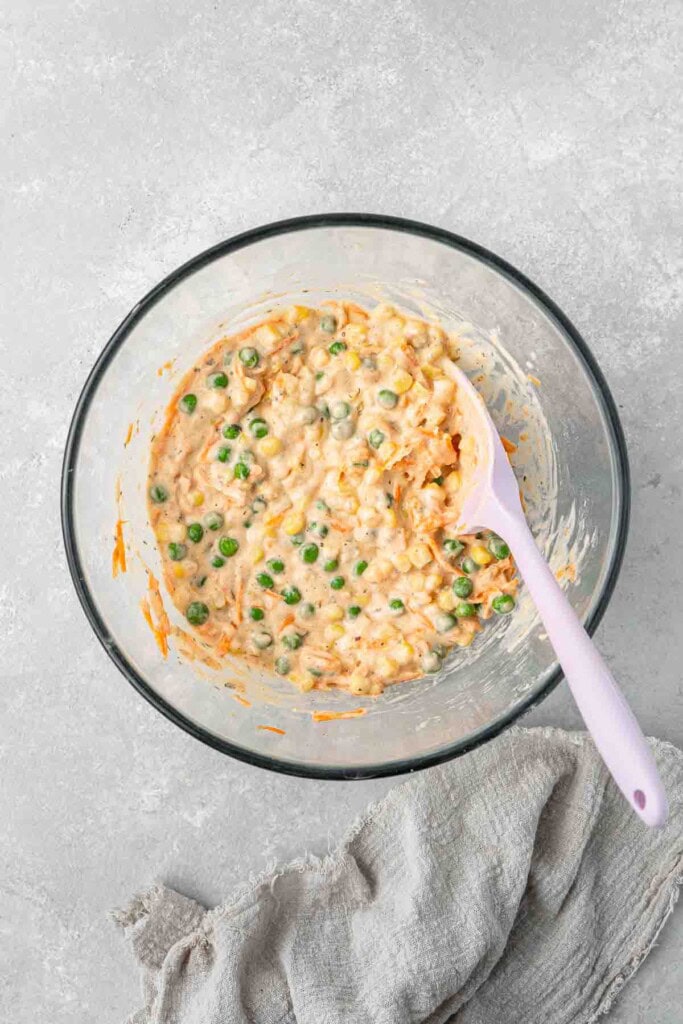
(543, 392)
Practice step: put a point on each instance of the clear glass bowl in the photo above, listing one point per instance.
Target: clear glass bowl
(571, 463)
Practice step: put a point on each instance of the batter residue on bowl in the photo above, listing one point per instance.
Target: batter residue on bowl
(301, 492)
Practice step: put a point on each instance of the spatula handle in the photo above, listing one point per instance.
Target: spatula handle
(608, 717)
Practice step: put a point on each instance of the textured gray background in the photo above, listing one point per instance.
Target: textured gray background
(135, 135)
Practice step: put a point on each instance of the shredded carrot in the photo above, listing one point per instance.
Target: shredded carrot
(508, 445)
(397, 494)
(340, 526)
(223, 645)
(271, 593)
(159, 635)
(129, 434)
(118, 558)
(271, 728)
(420, 615)
(284, 343)
(330, 716)
(534, 380)
(438, 557)
(165, 366)
(239, 589)
(241, 700)
(287, 621)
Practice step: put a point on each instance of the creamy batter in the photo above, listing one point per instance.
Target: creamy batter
(303, 490)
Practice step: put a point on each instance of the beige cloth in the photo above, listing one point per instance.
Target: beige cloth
(511, 886)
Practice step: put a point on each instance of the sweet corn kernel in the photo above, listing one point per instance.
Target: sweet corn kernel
(270, 532)
(372, 476)
(293, 523)
(304, 680)
(295, 314)
(480, 555)
(255, 555)
(386, 667)
(266, 334)
(468, 444)
(179, 571)
(430, 371)
(362, 600)
(197, 498)
(403, 652)
(419, 555)
(352, 361)
(453, 481)
(433, 488)
(355, 334)
(332, 613)
(402, 563)
(446, 600)
(219, 601)
(269, 446)
(334, 632)
(464, 639)
(389, 449)
(318, 358)
(390, 518)
(358, 684)
(401, 382)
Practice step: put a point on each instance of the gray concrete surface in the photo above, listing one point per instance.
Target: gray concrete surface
(134, 136)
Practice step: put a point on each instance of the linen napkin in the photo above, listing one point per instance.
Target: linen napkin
(511, 886)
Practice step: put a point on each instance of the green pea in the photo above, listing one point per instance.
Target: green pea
(387, 399)
(328, 324)
(213, 521)
(354, 611)
(158, 494)
(503, 604)
(307, 610)
(259, 427)
(375, 438)
(223, 454)
(323, 410)
(343, 430)
(188, 403)
(360, 567)
(197, 613)
(309, 553)
(462, 586)
(231, 431)
(241, 471)
(292, 595)
(276, 565)
(319, 375)
(217, 380)
(282, 665)
(309, 414)
(397, 606)
(262, 640)
(340, 410)
(176, 552)
(498, 547)
(247, 524)
(453, 547)
(297, 539)
(322, 506)
(293, 641)
(249, 356)
(320, 528)
(465, 610)
(201, 581)
(228, 546)
(440, 651)
(218, 562)
(336, 347)
(296, 350)
(338, 583)
(259, 505)
(444, 622)
(431, 662)
(369, 362)
(438, 480)
(256, 614)
(195, 532)
(265, 581)
(469, 566)
(331, 565)
(247, 457)
(363, 464)
(227, 357)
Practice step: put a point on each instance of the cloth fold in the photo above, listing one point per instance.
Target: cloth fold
(514, 884)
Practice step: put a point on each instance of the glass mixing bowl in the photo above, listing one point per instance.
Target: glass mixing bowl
(544, 390)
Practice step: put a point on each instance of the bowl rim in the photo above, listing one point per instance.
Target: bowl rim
(232, 244)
